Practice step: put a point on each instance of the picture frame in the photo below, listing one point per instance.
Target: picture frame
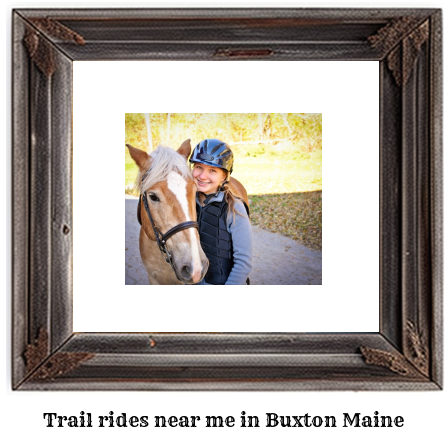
(406, 353)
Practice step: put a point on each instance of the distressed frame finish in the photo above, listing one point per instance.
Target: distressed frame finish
(406, 354)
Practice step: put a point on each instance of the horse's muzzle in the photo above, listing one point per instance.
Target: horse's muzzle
(192, 276)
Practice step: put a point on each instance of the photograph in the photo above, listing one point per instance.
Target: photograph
(224, 186)
(247, 208)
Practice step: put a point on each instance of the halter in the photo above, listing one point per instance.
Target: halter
(162, 238)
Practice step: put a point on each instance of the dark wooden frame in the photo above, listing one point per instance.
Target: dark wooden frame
(406, 354)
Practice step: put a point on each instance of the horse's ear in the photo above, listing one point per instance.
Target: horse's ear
(142, 159)
(185, 149)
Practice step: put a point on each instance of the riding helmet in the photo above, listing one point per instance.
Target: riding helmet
(213, 152)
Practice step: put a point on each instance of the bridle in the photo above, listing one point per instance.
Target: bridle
(162, 238)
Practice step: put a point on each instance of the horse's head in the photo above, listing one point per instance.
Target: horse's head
(170, 194)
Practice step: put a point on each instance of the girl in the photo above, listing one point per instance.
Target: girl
(224, 227)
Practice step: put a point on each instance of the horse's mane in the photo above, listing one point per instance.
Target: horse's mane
(164, 161)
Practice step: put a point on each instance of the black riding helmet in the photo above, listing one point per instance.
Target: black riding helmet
(213, 152)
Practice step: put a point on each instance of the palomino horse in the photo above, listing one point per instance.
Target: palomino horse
(168, 218)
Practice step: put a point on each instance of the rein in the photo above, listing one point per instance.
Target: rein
(162, 238)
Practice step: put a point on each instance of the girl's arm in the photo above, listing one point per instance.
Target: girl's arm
(241, 232)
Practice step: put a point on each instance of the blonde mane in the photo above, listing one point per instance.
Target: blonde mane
(164, 161)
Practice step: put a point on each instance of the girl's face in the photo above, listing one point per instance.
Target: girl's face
(208, 178)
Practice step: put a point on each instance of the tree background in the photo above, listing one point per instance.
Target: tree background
(298, 132)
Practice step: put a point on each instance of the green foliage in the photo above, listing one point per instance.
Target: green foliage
(267, 173)
(131, 172)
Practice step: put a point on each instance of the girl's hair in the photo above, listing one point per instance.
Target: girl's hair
(230, 198)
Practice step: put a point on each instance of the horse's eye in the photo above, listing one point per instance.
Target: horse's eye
(153, 197)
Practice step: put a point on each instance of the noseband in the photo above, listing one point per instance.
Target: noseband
(162, 238)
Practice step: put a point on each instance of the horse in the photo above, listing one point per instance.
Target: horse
(169, 231)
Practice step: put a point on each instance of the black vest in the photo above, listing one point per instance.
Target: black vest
(216, 241)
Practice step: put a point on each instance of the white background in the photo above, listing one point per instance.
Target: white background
(424, 413)
(348, 298)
